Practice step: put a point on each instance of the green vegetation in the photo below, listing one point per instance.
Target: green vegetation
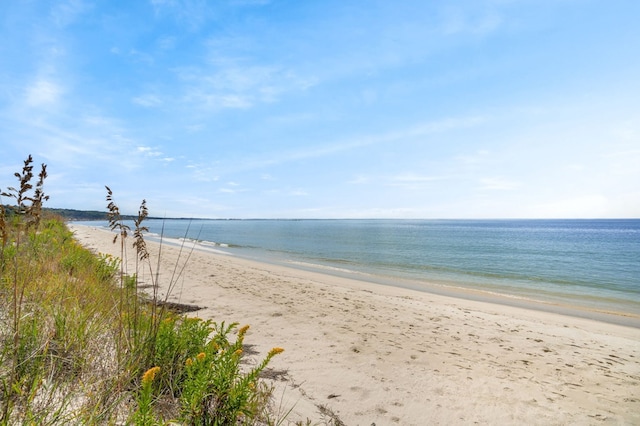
(81, 344)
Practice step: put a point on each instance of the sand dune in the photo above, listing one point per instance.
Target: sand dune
(368, 353)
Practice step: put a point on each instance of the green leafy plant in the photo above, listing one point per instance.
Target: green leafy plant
(144, 416)
(81, 342)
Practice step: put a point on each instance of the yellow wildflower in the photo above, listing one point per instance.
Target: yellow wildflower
(189, 362)
(243, 330)
(275, 351)
(200, 356)
(238, 352)
(149, 375)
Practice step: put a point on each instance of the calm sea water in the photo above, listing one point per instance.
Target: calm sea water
(595, 263)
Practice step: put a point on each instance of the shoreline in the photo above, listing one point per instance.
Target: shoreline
(628, 318)
(371, 353)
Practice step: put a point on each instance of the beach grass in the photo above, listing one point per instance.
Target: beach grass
(82, 342)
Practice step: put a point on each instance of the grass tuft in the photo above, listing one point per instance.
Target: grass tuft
(82, 343)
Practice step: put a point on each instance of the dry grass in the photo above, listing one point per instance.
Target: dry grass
(79, 337)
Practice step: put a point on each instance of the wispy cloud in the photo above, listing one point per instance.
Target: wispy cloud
(192, 14)
(360, 180)
(166, 43)
(203, 173)
(43, 92)
(414, 182)
(64, 13)
(229, 84)
(149, 152)
(141, 56)
(458, 20)
(148, 101)
(333, 148)
(498, 184)
(233, 188)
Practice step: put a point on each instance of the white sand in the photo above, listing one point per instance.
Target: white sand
(386, 355)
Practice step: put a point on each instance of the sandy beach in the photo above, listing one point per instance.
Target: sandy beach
(368, 354)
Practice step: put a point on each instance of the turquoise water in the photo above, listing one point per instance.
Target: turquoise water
(595, 263)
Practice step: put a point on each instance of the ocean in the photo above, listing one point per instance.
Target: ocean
(589, 263)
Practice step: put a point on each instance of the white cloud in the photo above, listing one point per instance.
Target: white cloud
(230, 101)
(203, 173)
(190, 13)
(148, 100)
(65, 13)
(150, 152)
(139, 56)
(228, 82)
(43, 92)
(457, 20)
(166, 43)
(210, 101)
(359, 180)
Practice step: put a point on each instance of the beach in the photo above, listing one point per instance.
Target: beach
(366, 353)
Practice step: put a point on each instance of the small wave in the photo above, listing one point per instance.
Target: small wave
(326, 267)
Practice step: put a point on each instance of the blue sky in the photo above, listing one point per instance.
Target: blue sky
(327, 109)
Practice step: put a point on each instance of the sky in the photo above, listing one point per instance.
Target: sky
(326, 108)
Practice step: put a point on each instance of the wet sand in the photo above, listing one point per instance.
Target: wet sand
(367, 353)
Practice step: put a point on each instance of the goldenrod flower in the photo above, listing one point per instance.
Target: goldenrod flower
(189, 362)
(149, 375)
(200, 356)
(243, 330)
(238, 352)
(275, 351)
